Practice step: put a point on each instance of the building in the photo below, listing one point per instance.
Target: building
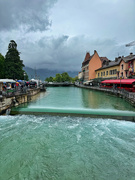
(80, 75)
(90, 64)
(127, 66)
(122, 67)
(109, 69)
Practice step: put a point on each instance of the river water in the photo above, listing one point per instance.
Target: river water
(49, 147)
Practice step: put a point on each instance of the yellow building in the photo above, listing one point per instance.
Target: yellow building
(122, 67)
(109, 70)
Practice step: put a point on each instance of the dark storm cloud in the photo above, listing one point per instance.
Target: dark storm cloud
(67, 53)
(77, 27)
(29, 14)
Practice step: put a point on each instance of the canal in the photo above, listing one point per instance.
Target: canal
(68, 147)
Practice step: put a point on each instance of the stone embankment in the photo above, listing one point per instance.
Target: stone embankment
(13, 99)
(128, 96)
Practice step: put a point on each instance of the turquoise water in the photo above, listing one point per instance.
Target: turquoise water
(63, 148)
(78, 98)
(78, 101)
(46, 147)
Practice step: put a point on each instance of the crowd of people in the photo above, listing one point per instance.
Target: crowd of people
(18, 85)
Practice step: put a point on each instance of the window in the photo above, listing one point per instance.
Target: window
(122, 66)
(101, 73)
(98, 74)
(106, 72)
(110, 72)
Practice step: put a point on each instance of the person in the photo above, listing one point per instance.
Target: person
(4, 87)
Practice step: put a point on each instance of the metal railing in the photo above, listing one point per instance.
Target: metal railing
(14, 92)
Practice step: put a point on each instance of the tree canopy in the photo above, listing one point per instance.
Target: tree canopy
(13, 64)
(2, 62)
(61, 78)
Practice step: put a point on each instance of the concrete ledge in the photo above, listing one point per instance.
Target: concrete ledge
(120, 115)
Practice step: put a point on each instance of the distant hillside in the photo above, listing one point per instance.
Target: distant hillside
(44, 73)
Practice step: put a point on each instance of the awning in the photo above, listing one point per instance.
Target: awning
(87, 82)
(119, 81)
(7, 80)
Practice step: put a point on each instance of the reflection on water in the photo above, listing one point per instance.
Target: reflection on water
(100, 100)
(78, 98)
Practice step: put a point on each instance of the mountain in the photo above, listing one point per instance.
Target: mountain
(44, 73)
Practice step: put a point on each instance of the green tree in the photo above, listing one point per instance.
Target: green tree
(13, 64)
(2, 62)
(47, 79)
(65, 77)
(58, 77)
(50, 79)
(74, 79)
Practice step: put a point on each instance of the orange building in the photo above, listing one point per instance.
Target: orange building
(90, 64)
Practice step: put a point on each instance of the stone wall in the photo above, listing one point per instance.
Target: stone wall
(8, 102)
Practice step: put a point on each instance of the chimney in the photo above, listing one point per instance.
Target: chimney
(95, 51)
(116, 59)
(131, 54)
(107, 63)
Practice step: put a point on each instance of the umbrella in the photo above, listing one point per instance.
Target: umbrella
(19, 81)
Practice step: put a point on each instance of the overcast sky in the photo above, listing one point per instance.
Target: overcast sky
(56, 34)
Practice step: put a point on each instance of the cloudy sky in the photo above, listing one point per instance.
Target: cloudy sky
(56, 34)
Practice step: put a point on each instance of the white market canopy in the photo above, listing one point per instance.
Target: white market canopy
(7, 81)
(87, 82)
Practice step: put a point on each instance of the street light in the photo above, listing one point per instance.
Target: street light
(24, 75)
(120, 82)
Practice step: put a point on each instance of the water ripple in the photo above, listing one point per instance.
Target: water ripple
(54, 147)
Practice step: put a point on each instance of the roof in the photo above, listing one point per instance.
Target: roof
(112, 63)
(87, 57)
(86, 61)
(129, 58)
(7, 80)
(104, 59)
(117, 61)
(119, 81)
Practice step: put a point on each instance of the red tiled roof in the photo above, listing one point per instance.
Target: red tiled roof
(87, 57)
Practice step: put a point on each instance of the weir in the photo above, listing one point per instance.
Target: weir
(93, 113)
(73, 101)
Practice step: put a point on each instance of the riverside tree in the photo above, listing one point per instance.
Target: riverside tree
(13, 64)
(64, 77)
(2, 62)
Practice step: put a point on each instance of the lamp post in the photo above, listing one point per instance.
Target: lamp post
(120, 82)
(24, 75)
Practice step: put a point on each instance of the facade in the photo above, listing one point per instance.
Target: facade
(122, 67)
(90, 64)
(80, 75)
